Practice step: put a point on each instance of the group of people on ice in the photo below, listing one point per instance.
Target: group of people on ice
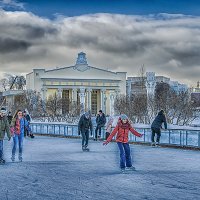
(17, 127)
(121, 131)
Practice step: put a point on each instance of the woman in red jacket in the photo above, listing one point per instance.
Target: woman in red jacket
(122, 130)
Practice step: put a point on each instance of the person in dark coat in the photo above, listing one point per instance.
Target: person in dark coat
(85, 123)
(156, 127)
(101, 121)
(28, 118)
(4, 127)
(9, 117)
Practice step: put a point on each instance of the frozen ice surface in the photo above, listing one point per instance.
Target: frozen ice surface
(56, 168)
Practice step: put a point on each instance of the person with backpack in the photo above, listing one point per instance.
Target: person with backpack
(101, 121)
(28, 118)
(18, 126)
(84, 125)
(122, 130)
(156, 127)
(4, 127)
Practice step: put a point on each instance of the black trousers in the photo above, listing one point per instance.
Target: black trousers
(85, 137)
(96, 131)
(154, 132)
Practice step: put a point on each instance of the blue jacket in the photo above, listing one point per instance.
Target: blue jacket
(24, 124)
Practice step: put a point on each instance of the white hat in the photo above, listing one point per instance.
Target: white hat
(3, 110)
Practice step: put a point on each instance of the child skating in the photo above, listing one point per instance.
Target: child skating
(122, 130)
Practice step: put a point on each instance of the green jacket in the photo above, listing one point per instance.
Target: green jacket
(4, 127)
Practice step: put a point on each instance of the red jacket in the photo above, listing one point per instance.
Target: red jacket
(122, 134)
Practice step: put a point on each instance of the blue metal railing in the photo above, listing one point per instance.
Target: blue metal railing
(177, 137)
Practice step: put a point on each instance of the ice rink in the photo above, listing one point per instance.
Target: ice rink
(56, 168)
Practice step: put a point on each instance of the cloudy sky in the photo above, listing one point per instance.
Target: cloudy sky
(162, 35)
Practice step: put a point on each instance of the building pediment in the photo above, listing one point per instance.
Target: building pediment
(80, 72)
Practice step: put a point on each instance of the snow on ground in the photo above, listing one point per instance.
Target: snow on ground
(56, 168)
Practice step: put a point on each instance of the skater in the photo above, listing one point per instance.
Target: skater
(4, 127)
(109, 127)
(122, 130)
(18, 126)
(85, 123)
(156, 127)
(26, 133)
(9, 117)
(101, 121)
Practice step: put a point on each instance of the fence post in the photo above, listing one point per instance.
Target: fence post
(199, 139)
(169, 135)
(186, 138)
(180, 138)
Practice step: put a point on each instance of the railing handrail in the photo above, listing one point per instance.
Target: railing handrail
(136, 126)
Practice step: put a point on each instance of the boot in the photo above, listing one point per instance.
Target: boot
(2, 161)
(20, 157)
(13, 158)
(83, 147)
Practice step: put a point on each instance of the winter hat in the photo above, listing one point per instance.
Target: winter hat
(3, 110)
(123, 117)
(87, 114)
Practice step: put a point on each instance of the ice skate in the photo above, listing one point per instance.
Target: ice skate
(157, 144)
(153, 144)
(2, 162)
(123, 170)
(13, 158)
(86, 148)
(130, 168)
(20, 158)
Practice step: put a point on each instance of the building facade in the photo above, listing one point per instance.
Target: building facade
(93, 88)
(147, 84)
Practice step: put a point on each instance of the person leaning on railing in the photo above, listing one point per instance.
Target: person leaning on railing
(156, 127)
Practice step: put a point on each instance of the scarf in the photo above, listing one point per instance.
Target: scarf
(124, 126)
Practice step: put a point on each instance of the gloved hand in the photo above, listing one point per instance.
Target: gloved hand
(79, 132)
(9, 138)
(141, 135)
(105, 143)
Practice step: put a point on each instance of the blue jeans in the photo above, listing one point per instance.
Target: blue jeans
(125, 155)
(1, 149)
(17, 139)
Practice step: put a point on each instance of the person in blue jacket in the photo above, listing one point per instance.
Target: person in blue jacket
(19, 125)
(156, 127)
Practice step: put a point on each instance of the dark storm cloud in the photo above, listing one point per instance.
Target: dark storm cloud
(34, 32)
(8, 45)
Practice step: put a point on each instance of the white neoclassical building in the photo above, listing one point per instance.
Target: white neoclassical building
(92, 87)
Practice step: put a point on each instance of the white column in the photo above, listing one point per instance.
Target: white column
(82, 99)
(89, 96)
(44, 93)
(103, 99)
(74, 94)
(44, 98)
(60, 90)
(112, 101)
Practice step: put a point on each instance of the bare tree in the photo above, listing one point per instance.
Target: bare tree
(54, 106)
